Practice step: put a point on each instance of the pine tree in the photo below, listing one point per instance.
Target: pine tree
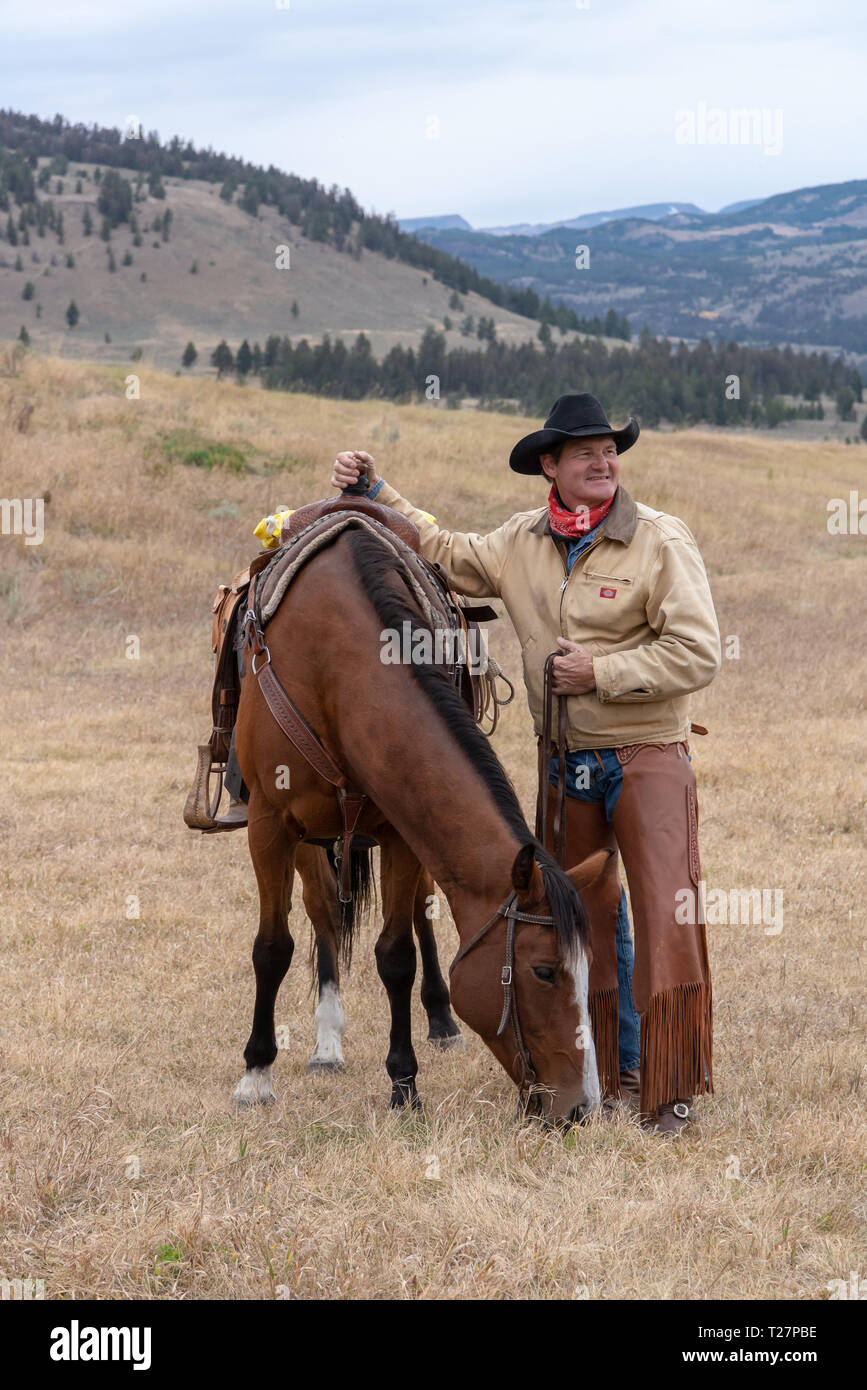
(72, 314)
(87, 222)
(28, 291)
(244, 359)
(115, 197)
(189, 356)
(222, 358)
(24, 337)
(294, 310)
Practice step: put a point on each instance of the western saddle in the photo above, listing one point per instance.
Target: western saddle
(262, 587)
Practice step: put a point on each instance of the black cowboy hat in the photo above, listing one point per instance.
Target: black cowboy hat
(572, 417)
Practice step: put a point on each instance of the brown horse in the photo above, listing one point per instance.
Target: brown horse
(438, 796)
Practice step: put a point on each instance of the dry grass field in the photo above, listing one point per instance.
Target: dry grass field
(126, 937)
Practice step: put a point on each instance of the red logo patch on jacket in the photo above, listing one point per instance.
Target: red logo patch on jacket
(607, 593)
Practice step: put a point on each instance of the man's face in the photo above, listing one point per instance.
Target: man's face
(587, 472)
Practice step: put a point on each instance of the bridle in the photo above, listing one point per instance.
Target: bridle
(509, 912)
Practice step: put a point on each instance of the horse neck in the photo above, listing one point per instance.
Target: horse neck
(432, 793)
(461, 837)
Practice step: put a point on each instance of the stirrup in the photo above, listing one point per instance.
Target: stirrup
(200, 808)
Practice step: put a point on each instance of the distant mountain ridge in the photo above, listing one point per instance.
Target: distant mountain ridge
(450, 222)
(651, 211)
(791, 268)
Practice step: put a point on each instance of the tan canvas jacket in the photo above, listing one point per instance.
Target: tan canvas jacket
(638, 599)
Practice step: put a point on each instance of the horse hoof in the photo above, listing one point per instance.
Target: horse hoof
(400, 1100)
(254, 1088)
(443, 1044)
(249, 1102)
(316, 1068)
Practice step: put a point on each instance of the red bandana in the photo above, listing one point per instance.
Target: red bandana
(574, 524)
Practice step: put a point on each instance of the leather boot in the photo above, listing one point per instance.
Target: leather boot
(630, 1093)
(236, 813)
(630, 1089)
(671, 1119)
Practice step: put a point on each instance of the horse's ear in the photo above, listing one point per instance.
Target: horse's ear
(526, 879)
(591, 868)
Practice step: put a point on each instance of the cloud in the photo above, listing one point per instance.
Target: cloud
(545, 110)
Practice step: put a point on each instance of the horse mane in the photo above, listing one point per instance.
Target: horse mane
(377, 566)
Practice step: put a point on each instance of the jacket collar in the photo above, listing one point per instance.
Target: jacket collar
(618, 525)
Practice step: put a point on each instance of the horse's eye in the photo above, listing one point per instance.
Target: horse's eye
(544, 973)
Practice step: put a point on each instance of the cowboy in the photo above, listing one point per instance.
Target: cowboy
(621, 591)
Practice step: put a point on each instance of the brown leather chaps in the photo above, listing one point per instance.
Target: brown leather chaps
(655, 826)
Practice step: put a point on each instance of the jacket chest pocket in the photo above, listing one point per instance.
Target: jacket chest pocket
(612, 603)
(608, 585)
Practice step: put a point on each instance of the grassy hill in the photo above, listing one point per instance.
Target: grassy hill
(121, 1035)
(236, 291)
(789, 269)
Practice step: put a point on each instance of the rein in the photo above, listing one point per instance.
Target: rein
(546, 744)
(509, 912)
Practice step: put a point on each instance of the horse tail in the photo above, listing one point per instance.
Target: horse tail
(362, 891)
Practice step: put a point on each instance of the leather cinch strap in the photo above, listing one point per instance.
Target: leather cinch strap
(301, 736)
(547, 745)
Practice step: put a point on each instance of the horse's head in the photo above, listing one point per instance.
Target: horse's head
(522, 985)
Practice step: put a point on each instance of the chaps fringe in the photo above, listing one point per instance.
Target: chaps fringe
(676, 1046)
(605, 1021)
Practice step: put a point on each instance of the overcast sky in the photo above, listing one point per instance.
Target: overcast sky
(501, 110)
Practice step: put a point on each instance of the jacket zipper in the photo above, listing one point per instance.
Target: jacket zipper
(581, 557)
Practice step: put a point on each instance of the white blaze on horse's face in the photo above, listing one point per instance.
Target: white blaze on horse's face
(560, 1039)
(580, 968)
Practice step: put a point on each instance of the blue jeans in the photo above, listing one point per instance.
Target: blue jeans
(598, 777)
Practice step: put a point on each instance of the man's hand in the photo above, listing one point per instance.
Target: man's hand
(349, 466)
(573, 671)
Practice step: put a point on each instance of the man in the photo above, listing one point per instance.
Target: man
(621, 590)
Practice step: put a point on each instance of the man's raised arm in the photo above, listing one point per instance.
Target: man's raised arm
(474, 564)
